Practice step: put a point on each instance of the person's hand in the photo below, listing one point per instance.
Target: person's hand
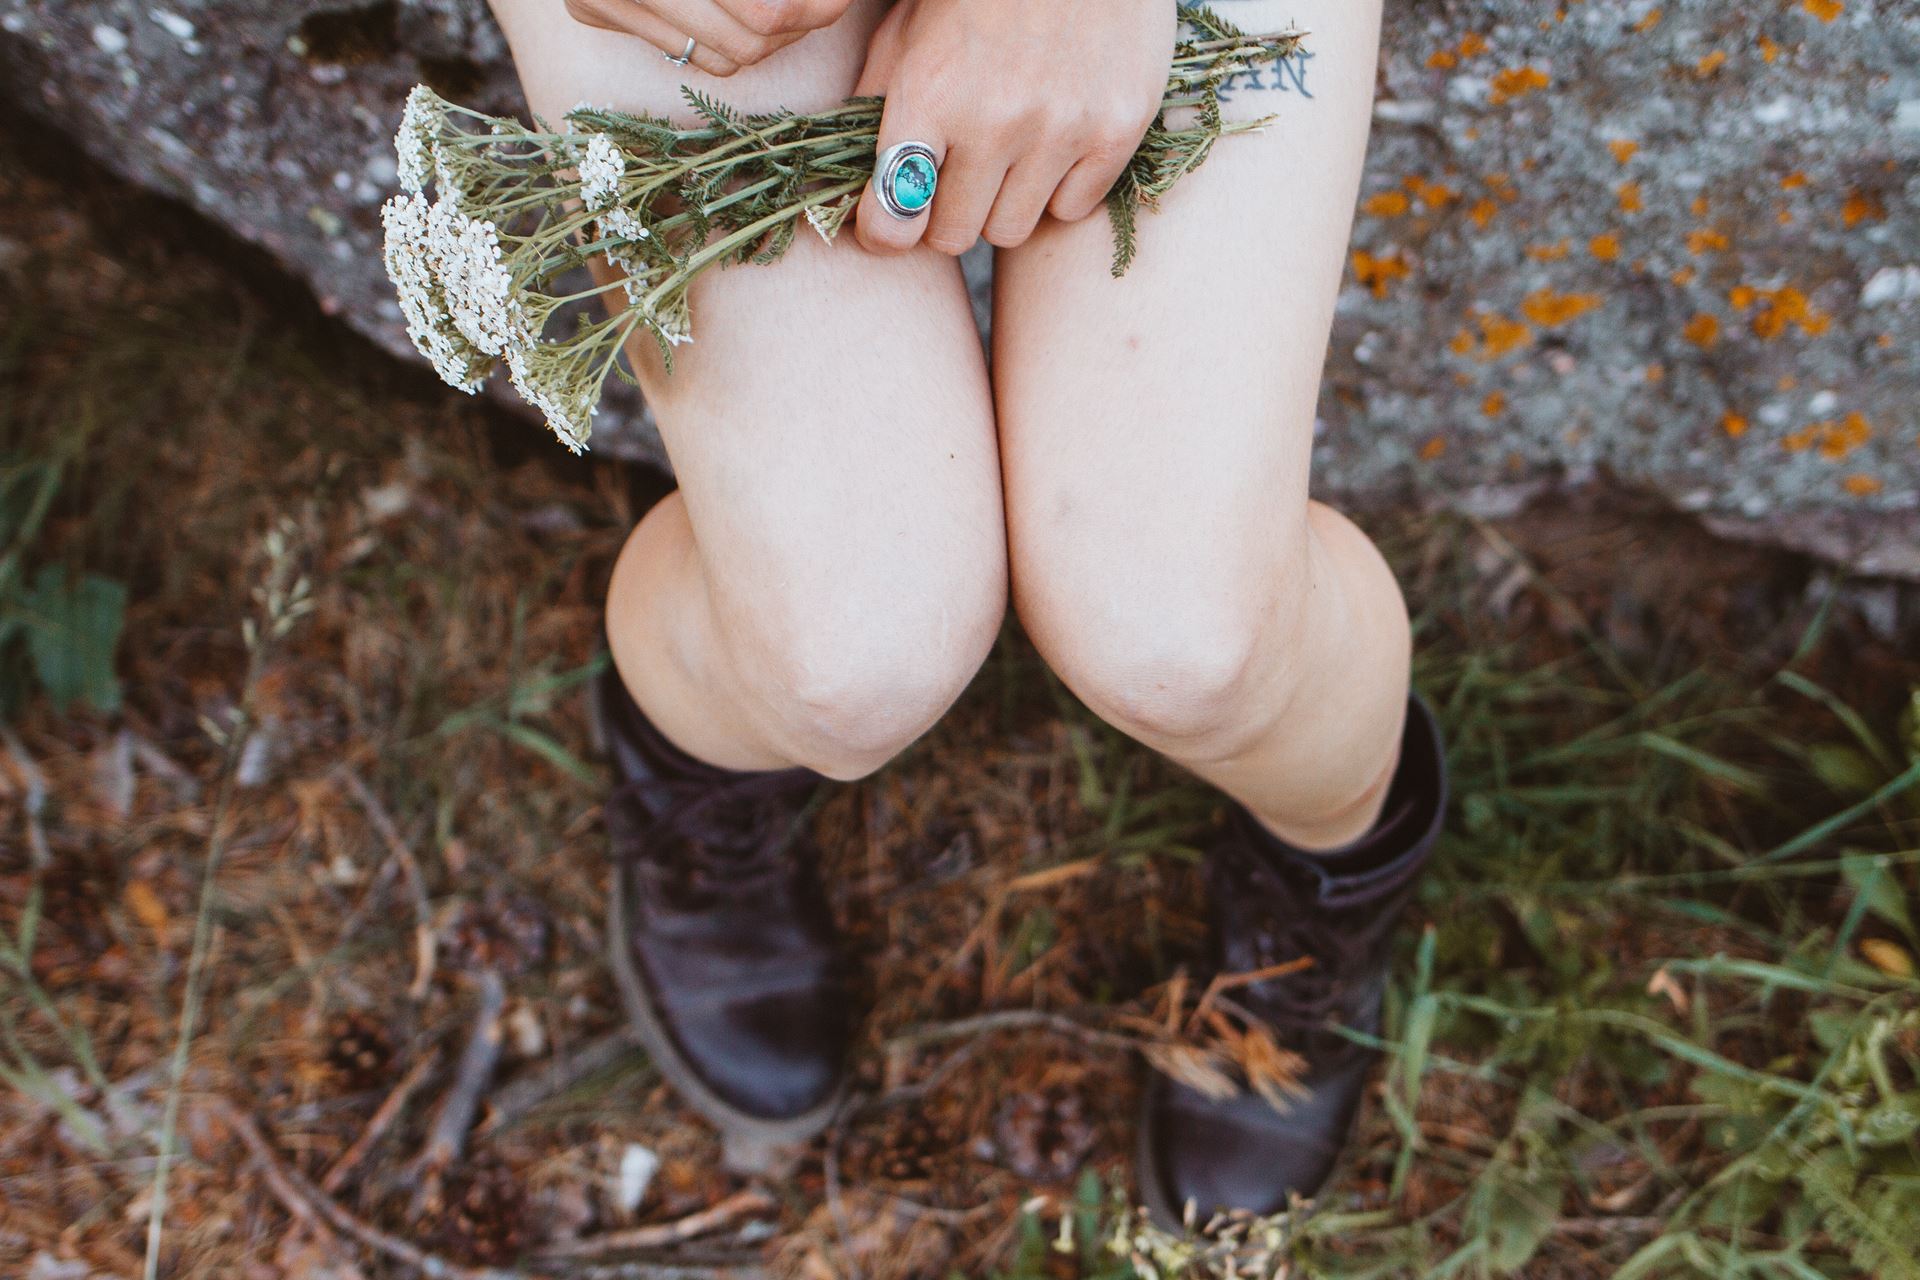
(1032, 106)
(728, 34)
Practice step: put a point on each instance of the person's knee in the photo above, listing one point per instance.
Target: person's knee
(844, 684)
(1191, 662)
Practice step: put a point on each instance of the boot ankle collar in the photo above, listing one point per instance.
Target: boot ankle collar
(1397, 848)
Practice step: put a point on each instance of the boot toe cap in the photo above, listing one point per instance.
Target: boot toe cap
(1240, 1153)
(773, 1059)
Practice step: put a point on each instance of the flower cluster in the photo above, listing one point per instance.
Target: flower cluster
(611, 217)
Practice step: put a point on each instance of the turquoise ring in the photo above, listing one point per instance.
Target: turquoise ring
(904, 178)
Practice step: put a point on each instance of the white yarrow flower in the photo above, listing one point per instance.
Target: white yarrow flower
(601, 168)
(620, 222)
(408, 254)
(413, 144)
(570, 420)
(443, 175)
(473, 274)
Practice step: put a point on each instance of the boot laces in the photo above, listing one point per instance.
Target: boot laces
(1267, 922)
(730, 840)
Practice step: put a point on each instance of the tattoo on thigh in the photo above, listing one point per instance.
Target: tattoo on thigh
(1288, 75)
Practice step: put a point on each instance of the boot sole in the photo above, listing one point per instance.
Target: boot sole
(752, 1144)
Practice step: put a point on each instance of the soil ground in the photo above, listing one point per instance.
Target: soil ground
(1656, 1001)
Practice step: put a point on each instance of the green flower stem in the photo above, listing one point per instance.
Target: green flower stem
(752, 231)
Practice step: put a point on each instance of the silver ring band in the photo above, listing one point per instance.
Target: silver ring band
(686, 54)
(904, 178)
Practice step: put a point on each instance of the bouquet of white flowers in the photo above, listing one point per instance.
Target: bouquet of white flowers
(479, 267)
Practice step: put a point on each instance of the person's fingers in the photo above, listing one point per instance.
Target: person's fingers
(970, 180)
(1085, 187)
(785, 17)
(634, 19)
(712, 26)
(883, 54)
(880, 230)
(903, 119)
(1023, 197)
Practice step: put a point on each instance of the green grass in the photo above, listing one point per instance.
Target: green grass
(1654, 1023)
(1648, 992)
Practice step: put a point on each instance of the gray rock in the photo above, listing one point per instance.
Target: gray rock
(1523, 323)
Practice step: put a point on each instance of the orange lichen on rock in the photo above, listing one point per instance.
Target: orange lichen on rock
(1775, 309)
(1684, 276)
(1793, 181)
(1549, 252)
(1434, 195)
(1649, 22)
(1517, 82)
(1833, 440)
(1630, 200)
(1733, 424)
(1379, 273)
(1710, 64)
(1387, 204)
(1769, 50)
(1838, 439)
(1433, 448)
(1703, 330)
(1497, 337)
(1471, 45)
(1862, 485)
(1494, 403)
(1605, 246)
(1550, 309)
(1862, 206)
(1706, 240)
(1483, 211)
(1623, 149)
(1825, 10)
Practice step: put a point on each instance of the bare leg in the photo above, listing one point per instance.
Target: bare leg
(1156, 434)
(832, 570)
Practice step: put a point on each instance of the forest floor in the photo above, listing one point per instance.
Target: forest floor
(1656, 1012)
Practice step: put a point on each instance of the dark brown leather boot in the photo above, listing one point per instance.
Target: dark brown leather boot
(1272, 903)
(721, 941)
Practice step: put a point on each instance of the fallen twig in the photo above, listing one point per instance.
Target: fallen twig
(512, 1103)
(1009, 1020)
(662, 1234)
(312, 1206)
(336, 1177)
(423, 935)
(454, 1120)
